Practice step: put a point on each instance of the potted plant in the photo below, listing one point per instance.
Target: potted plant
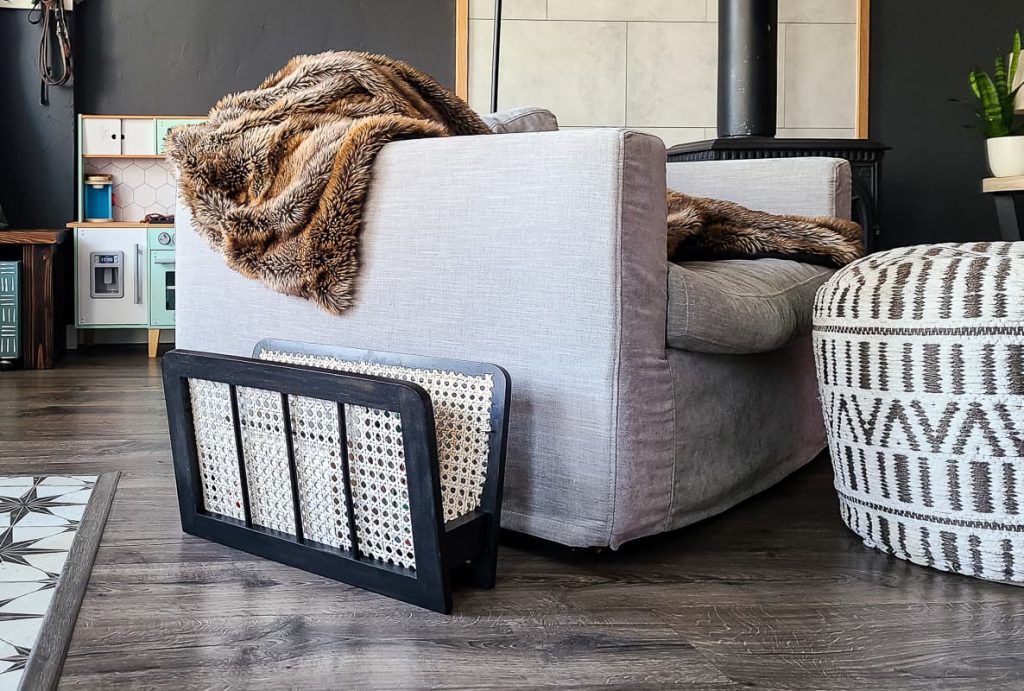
(996, 95)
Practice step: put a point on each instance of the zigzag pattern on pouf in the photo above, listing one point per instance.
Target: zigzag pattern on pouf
(920, 359)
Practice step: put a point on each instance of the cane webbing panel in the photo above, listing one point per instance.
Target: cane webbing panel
(318, 468)
(266, 459)
(462, 417)
(380, 492)
(376, 464)
(215, 446)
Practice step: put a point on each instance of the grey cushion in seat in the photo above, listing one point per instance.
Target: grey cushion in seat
(740, 306)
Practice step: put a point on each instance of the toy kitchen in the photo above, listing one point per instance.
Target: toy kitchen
(124, 235)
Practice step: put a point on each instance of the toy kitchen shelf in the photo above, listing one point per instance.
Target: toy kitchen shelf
(124, 268)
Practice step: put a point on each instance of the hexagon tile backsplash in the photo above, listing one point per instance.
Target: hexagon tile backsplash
(141, 186)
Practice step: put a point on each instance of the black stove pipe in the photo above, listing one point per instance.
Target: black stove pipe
(495, 56)
(747, 67)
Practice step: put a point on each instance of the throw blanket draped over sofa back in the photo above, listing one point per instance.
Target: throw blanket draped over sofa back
(278, 176)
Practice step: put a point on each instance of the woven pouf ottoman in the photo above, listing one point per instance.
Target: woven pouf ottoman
(920, 362)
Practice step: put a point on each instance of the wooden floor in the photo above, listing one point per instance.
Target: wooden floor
(776, 594)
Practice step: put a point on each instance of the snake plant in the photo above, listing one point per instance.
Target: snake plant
(996, 93)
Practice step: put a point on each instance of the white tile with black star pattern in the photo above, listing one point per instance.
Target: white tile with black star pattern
(39, 517)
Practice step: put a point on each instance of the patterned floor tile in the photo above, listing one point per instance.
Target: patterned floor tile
(48, 563)
(39, 517)
(57, 516)
(21, 632)
(71, 513)
(32, 603)
(19, 572)
(61, 540)
(29, 502)
(10, 591)
(24, 533)
(71, 495)
(69, 480)
(11, 680)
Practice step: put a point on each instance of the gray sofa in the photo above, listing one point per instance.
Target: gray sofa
(545, 253)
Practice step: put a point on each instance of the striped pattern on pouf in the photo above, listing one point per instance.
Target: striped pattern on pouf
(920, 360)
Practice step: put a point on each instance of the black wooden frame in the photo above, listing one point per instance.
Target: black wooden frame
(469, 541)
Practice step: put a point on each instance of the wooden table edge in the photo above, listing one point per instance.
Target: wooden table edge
(1008, 184)
(12, 236)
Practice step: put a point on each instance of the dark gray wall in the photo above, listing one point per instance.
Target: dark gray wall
(921, 51)
(37, 144)
(180, 56)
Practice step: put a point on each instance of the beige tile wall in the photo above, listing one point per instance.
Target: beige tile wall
(652, 64)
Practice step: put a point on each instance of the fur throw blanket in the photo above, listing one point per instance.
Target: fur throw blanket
(277, 178)
(701, 229)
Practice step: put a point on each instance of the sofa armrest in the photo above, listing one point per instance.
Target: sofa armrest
(543, 253)
(805, 186)
(520, 232)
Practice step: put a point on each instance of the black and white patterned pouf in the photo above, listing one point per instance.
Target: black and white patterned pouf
(920, 357)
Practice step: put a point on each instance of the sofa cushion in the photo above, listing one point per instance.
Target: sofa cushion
(740, 306)
(526, 119)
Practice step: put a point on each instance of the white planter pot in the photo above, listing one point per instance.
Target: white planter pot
(1006, 156)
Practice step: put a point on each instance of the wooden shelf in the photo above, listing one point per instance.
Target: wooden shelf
(117, 224)
(1008, 184)
(143, 117)
(32, 237)
(160, 156)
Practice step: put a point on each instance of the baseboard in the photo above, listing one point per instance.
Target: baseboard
(116, 336)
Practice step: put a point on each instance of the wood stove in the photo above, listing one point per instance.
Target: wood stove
(747, 94)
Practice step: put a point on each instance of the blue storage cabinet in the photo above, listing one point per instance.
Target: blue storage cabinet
(10, 310)
(99, 201)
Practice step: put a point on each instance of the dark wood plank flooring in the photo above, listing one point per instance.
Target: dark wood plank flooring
(776, 594)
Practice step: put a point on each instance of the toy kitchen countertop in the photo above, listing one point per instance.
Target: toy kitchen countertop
(117, 224)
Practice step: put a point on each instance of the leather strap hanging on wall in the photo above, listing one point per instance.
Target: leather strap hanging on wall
(50, 16)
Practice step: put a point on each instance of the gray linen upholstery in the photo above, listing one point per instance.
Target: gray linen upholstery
(743, 422)
(804, 186)
(460, 259)
(518, 120)
(545, 253)
(740, 306)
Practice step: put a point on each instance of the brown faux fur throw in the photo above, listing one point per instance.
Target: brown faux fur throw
(277, 177)
(701, 228)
